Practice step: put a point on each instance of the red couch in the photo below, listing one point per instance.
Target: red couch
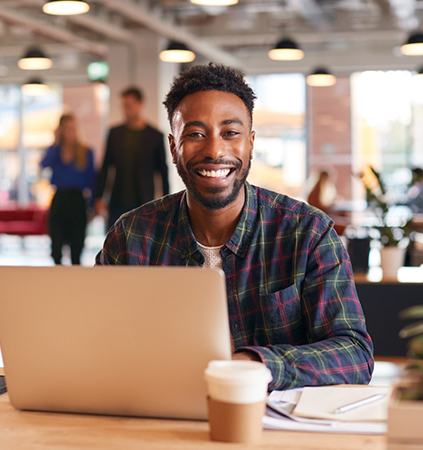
(30, 220)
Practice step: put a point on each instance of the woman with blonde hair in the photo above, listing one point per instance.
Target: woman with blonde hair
(73, 175)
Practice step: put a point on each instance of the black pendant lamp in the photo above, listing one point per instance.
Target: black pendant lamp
(34, 87)
(177, 52)
(414, 45)
(66, 7)
(286, 50)
(215, 2)
(321, 78)
(34, 59)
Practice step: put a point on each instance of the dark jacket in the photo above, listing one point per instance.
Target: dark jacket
(150, 158)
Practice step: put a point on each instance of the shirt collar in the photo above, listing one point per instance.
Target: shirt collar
(188, 243)
(240, 240)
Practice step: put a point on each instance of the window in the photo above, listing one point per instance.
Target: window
(27, 127)
(387, 111)
(279, 121)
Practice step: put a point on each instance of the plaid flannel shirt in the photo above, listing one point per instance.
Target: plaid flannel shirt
(290, 287)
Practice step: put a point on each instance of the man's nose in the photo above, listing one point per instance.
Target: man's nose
(214, 147)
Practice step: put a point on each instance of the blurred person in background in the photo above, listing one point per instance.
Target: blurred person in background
(73, 175)
(323, 193)
(136, 151)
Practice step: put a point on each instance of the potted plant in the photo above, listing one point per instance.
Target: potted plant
(390, 228)
(405, 411)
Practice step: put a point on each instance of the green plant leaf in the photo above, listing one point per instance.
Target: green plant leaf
(416, 366)
(415, 347)
(413, 329)
(414, 312)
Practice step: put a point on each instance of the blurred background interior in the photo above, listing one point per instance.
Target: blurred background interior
(360, 124)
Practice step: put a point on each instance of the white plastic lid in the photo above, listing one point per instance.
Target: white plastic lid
(238, 372)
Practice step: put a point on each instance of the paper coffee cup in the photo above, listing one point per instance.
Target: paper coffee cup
(237, 392)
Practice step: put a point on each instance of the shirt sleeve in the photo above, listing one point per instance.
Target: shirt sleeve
(113, 250)
(50, 158)
(339, 349)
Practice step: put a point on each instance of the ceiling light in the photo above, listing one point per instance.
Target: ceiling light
(414, 45)
(286, 50)
(34, 59)
(321, 77)
(177, 52)
(34, 87)
(215, 2)
(66, 7)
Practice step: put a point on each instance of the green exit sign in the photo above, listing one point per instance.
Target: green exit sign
(98, 71)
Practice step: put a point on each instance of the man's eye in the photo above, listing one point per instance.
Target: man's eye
(195, 135)
(231, 133)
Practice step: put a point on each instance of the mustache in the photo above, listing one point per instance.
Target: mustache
(211, 161)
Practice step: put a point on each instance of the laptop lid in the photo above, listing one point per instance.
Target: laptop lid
(112, 340)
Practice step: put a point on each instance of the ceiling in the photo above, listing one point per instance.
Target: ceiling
(344, 35)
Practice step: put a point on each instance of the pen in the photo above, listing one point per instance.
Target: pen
(363, 402)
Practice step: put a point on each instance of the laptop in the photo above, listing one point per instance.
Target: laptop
(117, 340)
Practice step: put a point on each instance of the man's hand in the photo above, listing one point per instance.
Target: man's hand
(246, 356)
(100, 208)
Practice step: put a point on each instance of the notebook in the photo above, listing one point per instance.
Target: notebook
(119, 340)
(320, 402)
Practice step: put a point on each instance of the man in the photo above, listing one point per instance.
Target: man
(291, 296)
(136, 151)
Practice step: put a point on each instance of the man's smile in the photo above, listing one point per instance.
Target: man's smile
(216, 172)
(220, 173)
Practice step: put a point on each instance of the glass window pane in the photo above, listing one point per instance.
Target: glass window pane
(279, 122)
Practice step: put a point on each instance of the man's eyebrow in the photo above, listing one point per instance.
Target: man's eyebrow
(194, 123)
(199, 123)
(231, 121)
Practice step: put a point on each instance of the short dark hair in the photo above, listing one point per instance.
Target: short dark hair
(65, 117)
(133, 92)
(210, 77)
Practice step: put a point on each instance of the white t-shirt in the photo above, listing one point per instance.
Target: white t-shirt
(212, 257)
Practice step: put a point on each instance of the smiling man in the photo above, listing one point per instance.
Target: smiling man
(292, 301)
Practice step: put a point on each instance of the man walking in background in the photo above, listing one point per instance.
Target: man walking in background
(136, 152)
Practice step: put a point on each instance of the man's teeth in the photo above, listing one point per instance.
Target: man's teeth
(214, 173)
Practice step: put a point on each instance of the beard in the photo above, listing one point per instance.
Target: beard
(217, 199)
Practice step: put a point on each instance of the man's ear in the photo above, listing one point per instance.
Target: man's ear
(252, 138)
(172, 147)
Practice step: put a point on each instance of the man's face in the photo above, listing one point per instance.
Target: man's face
(131, 107)
(212, 146)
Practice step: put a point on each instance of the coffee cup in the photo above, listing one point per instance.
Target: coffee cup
(237, 392)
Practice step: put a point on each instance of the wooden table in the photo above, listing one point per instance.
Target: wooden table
(35, 430)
